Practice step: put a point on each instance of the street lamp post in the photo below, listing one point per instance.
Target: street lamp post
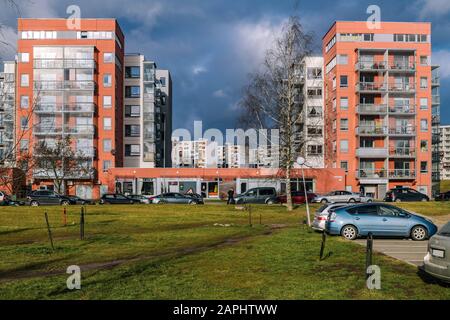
(301, 161)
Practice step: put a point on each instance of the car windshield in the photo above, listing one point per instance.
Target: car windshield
(322, 208)
(445, 230)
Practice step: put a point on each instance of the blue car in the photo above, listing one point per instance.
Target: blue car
(381, 220)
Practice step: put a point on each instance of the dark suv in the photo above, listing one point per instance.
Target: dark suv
(258, 195)
(405, 195)
(46, 197)
(111, 198)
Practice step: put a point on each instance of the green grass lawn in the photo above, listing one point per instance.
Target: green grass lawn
(191, 252)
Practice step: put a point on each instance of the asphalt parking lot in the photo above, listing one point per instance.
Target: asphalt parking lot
(409, 251)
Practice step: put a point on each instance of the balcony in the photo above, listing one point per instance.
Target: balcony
(402, 110)
(371, 65)
(371, 152)
(371, 87)
(79, 129)
(402, 152)
(64, 85)
(372, 109)
(402, 174)
(372, 130)
(59, 107)
(435, 81)
(87, 152)
(401, 87)
(64, 63)
(404, 66)
(435, 99)
(47, 130)
(403, 131)
(371, 174)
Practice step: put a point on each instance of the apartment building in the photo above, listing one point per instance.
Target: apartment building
(194, 154)
(436, 154)
(444, 152)
(229, 156)
(311, 128)
(71, 81)
(7, 113)
(378, 105)
(147, 114)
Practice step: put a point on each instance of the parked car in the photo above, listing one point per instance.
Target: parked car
(176, 198)
(3, 196)
(444, 196)
(339, 196)
(116, 199)
(140, 198)
(81, 201)
(196, 196)
(437, 260)
(262, 195)
(298, 197)
(7, 201)
(381, 220)
(366, 199)
(47, 197)
(321, 215)
(405, 195)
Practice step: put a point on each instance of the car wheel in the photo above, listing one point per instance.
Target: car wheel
(369, 201)
(424, 200)
(351, 201)
(398, 200)
(64, 203)
(34, 204)
(349, 232)
(419, 233)
(269, 202)
(324, 201)
(192, 203)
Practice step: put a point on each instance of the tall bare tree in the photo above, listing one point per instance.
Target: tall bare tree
(274, 97)
(59, 161)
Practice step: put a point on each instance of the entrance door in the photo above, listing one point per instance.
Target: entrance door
(84, 192)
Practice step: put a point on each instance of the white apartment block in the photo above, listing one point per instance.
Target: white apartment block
(147, 114)
(444, 133)
(7, 112)
(194, 154)
(229, 156)
(311, 128)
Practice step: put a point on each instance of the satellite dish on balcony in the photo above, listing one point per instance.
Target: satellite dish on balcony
(301, 161)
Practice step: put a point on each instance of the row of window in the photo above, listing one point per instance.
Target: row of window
(344, 125)
(423, 166)
(343, 103)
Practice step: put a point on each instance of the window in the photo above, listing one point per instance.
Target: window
(24, 80)
(133, 130)
(344, 165)
(107, 124)
(108, 57)
(334, 104)
(424, 145)
(314, 73)
(132, 111)
(368, 37)
(424, 125)
(314, 149)
(107, 80)
(24, 123)
(106, 165)
(107, 145)
(107, 101)
(423, 82)
(24, 57)
(163, 81)
(314, 131)
(344, 145)
(334, 125)
(344, 81)
(334, 83)
(24, 143)
(24, 101)
(314, 92)
(423, 103)
(330, 44)
(132, 150)
(423, 167)
(424, 60)
(344, 103)
(132, 72)
(132, 92)
(344, 124)
(342, 59)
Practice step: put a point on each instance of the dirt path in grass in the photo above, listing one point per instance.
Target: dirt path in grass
(26, 274)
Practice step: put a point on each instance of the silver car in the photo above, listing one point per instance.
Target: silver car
(339, 196)
(321, 215)
(437, 260)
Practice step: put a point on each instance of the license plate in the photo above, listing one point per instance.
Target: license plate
(438, 253)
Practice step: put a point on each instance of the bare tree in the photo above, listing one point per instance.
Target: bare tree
(274, 97)
(59, 161)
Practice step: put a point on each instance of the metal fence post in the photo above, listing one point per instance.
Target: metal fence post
(49, 231)
(82, 224)
(369, 251)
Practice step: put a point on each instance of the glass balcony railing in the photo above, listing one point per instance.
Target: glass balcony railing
(371, 152)
(79, 129)
(402, 109)
(402, 152)
(58, 107)
(47, 130)
(401, 66)
(371, 65)
(371, 86)
(409, 130)
(372, 108)
(402, 174)
(64, 63)
(372, 130)
(435, 99)
(401, 87)
(63, 85)
(371, 173)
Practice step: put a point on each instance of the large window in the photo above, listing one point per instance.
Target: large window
(107, 145)
(133, 130)
(107, 124)
(107, 80)
(132, 111)
(132, 150)
(24, 80)
(132, 72)
(132, 92)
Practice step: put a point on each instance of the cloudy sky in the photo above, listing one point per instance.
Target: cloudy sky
(210, 46)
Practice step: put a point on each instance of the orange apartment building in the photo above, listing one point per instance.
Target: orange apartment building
(378, 102)
(72, 83)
